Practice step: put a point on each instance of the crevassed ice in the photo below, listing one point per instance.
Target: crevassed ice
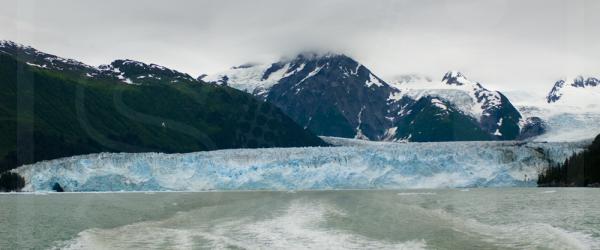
(356, 164)
(565, 123)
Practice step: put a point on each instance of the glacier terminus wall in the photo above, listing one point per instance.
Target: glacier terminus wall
(353, 164)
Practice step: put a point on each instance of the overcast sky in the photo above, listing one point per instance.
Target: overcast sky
(507, 45)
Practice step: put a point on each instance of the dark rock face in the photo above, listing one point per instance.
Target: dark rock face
(533, 126)
(554, 94)
(580, 82)
(454, 78)
(334, 96)
(501, 120)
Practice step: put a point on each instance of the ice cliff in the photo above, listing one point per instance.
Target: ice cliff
(354, 164)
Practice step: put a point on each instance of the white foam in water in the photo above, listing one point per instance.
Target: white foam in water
(520, 236)
(297, 227)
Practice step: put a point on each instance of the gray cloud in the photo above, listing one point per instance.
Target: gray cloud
(510, 44)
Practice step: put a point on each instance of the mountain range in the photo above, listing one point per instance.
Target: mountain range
(56, 107)
(53, 107)
(334, 95)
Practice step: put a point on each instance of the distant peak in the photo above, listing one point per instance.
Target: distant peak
(559, 84)
(454, 77)
(581, 82)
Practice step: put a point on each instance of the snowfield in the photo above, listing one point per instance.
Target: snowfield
(564, 123)
(354, 164)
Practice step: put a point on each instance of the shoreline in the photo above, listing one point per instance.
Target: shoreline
(290, 191)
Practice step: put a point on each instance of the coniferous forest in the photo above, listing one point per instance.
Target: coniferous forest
(580, 170)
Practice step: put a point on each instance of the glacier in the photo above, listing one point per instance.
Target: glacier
(352, 164)
(564, 123)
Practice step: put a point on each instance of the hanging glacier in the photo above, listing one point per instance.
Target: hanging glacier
(353, 164)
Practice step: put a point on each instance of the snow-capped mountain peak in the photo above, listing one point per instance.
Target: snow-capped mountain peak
(490, 108)
(581, 82)
(259, 78)
(333, 94)
(579, 92)
(456, 78)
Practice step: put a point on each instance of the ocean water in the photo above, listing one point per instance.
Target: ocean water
(503, 218)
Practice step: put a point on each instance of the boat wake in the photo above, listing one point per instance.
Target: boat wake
(297, 226)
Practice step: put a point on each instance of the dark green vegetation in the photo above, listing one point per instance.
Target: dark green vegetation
(11, 182)
(48, 114)
(580, 170)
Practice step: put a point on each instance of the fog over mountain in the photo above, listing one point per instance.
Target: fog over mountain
(510, 45)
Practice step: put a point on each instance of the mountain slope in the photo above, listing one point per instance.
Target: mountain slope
(333, 95)
(49, 114)
(492, 109)
(314, 90)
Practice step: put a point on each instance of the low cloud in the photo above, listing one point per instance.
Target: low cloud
(512, 45)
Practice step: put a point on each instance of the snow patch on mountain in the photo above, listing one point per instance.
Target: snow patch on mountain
(438, 103)
(373, 80)
(311, 74)
(249, 78)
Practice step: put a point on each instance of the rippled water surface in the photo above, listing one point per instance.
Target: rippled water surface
(530, 218)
